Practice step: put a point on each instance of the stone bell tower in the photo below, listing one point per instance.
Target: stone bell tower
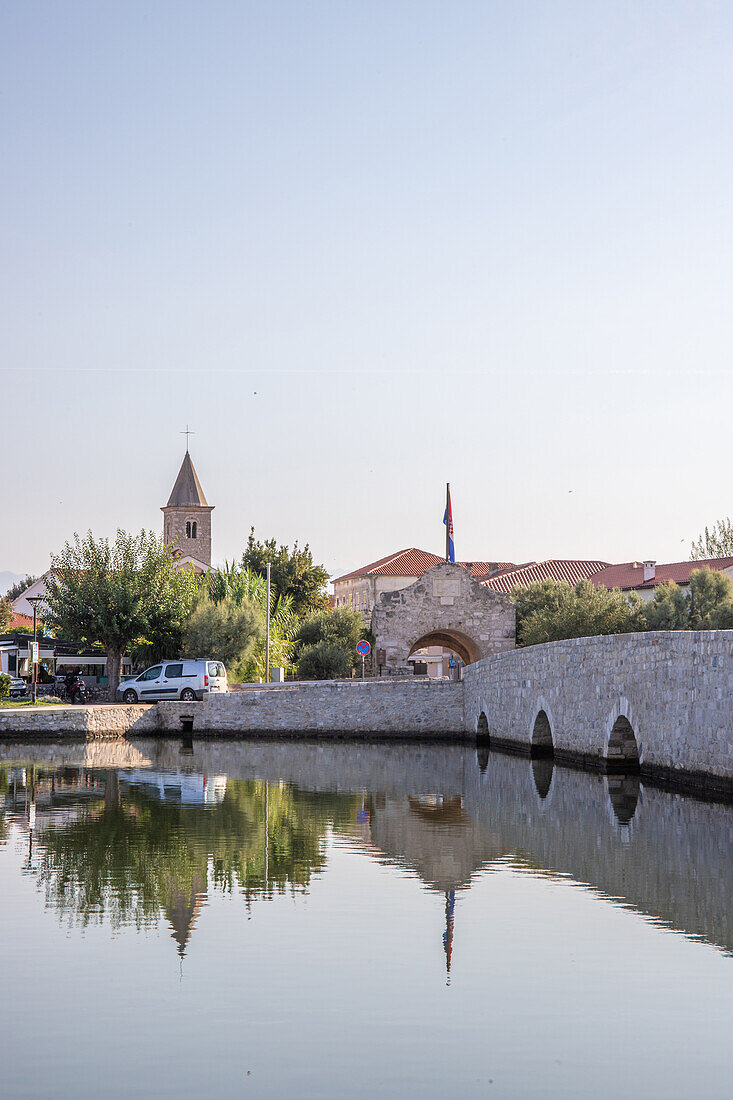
(187, 517)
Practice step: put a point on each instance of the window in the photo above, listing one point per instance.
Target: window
(193, 529)
(216, 668)
(188, 529)
(151, 673)
(173, 672)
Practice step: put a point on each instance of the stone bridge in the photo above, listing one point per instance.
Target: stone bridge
(659, 702)
(445, 607)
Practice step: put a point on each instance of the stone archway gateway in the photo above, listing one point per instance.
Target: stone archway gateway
(444, 607)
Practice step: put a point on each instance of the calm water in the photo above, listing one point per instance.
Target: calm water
(255, 919)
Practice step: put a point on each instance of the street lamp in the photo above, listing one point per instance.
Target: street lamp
(267, 639)
(34, 601)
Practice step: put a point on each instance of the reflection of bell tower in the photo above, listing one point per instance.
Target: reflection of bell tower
(187, 516)
(183, 908)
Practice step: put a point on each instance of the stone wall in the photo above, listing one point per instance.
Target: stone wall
(379, 707)
(444, 607)
(674, 687)
(92, 721)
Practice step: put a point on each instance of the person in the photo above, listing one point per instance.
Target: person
(69, 682)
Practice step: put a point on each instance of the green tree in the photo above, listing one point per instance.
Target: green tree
(224, 630)
(6, 614)
(240, 585)
(342, 626)
(668, 609)
(549, 611)
(715, 541)
(4, 686)
(117, 594)
(293, 572)
(710, 600)
(324, 660)
(19, 587)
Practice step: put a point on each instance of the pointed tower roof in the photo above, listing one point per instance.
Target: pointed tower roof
(187, 490)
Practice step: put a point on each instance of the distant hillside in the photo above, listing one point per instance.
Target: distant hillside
(8, 579)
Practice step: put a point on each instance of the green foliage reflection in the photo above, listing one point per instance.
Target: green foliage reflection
(130, 856)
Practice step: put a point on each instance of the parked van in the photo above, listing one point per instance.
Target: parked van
(187, 680)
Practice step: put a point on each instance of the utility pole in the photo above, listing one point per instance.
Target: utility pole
(267, 640)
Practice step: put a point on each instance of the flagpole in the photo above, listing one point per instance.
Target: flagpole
(447, 526)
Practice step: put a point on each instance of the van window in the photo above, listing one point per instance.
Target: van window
(151, 673)
(216, 668)
(173, 672)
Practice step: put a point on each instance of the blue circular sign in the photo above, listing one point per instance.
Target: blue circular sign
(363, 648)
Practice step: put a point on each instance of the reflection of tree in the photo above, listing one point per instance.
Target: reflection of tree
(130, 856)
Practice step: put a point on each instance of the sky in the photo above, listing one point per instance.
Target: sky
(364, 249)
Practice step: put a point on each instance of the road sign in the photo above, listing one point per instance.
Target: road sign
(363, 648)
(452, 663)
(34, 653)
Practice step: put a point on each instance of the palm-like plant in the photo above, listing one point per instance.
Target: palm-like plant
(240, 585)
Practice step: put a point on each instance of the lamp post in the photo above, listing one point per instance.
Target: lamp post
(34, 602)
(267, 640)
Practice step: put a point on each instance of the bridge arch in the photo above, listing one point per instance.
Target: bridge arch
(463, 646)
(622, 748)
(541, 743)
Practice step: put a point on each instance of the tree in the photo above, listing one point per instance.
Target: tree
(325, 660)
(715, 542)
(325, 632)
(710, 600)
(224, 630)
(667, 609)
(549, 611)
(292, 572)
(4, 685)
(19, 587)
(117, 594)
(239, 585)
(6, 614)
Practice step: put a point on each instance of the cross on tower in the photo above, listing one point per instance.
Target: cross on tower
(187, 433)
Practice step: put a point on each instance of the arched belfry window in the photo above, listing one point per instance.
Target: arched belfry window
(188, 529)
(193, 529)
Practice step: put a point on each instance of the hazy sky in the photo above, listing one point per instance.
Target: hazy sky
(365, 248)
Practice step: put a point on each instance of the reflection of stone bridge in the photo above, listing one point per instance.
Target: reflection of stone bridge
(448, 814)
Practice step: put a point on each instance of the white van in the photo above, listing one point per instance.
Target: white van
(187, 680)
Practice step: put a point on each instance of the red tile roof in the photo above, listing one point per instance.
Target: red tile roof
(20, 620)
(414, 562)
(554, 569)
(631, 573)
(405, 563)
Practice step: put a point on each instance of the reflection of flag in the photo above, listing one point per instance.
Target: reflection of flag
(362, 817)
(450, 905)
(450, 550)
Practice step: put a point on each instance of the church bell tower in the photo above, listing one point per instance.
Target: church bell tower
(187, 517)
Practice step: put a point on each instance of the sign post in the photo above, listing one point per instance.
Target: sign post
(363, 648)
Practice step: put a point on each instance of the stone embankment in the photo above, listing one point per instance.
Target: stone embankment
(387, 708)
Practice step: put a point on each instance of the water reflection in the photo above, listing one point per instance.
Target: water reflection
(623, 791)
(154, 835)
(542, 769)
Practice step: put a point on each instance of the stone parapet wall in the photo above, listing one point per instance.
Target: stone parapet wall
(90, 721)
(674, 687)
(379, 707)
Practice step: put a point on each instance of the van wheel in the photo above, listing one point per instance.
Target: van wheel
(188, 695)
(130, 696)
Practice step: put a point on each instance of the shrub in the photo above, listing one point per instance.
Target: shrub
(4, 686)
(324, 660)
(549, 611)
(224, 631)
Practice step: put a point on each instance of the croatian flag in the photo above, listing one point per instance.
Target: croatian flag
(450, 550)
